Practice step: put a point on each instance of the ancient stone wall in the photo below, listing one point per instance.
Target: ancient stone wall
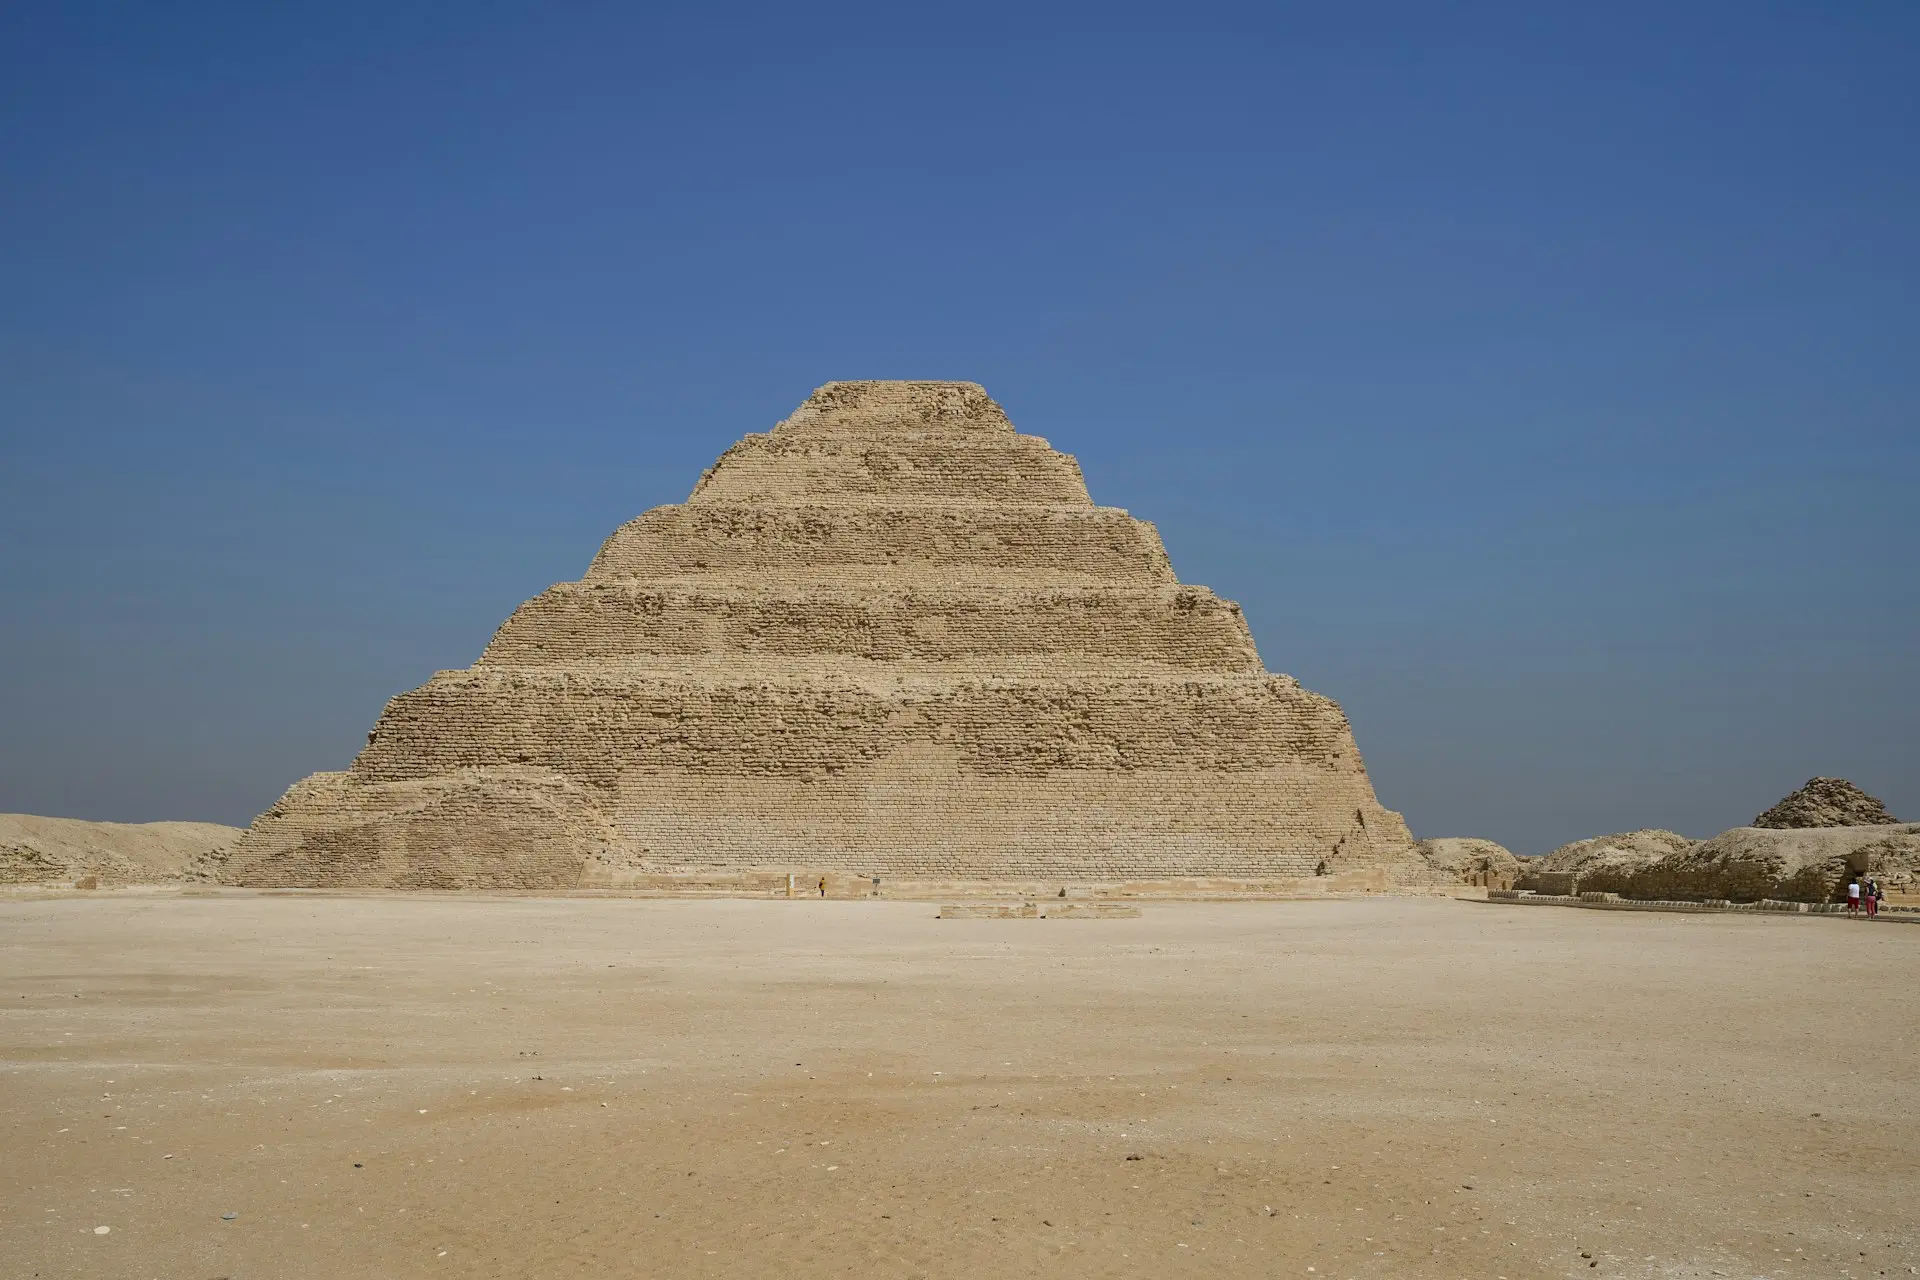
(1745, 864)
(892, 636)
(1748, 864)
(1600, 863)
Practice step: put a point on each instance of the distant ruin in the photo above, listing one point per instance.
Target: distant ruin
(892, 637)
(1826, 802)
(1471, 862)
(1804, 849)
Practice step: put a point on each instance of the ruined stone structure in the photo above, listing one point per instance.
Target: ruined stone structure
(1826, 802)
(1795, 864)
(890, 637)
(48, 851)
(1465, 860)
(1795, 852)
(1601, 863)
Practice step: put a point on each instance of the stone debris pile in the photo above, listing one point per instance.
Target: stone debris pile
(1602, 863)
(1804, 849)
(47, 851)
(1464, 860)
(1826, 802)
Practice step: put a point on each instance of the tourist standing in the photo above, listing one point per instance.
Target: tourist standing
(823, 886)
(1853, 896)
(1872, 896)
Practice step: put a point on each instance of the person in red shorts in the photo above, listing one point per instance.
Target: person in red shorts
(1853, 896)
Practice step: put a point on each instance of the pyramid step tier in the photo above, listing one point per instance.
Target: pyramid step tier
(1080, 629)
(598, 728)
(824, 468)
(1016, 544)
(892, 409)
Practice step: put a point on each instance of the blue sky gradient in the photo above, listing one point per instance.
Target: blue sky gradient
(1544, 380)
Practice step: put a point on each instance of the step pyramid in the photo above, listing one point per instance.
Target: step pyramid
(891, 637)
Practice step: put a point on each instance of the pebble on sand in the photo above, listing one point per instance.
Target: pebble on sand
(100, 1231)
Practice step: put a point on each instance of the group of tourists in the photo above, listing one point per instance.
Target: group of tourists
(1863, 891)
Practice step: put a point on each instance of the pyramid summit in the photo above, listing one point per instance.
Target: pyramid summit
(890, 637)
(1826, 802)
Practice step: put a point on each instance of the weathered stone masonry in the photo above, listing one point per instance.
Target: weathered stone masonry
(890, 637)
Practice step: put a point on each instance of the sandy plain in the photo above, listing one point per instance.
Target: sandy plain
(438, 1086)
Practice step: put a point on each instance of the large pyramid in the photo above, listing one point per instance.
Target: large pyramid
(891, 637)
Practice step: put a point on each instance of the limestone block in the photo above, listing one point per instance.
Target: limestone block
(1038, 911)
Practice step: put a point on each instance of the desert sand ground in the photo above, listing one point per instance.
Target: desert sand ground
(420, 1086)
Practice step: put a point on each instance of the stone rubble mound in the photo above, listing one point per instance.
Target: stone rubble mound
(1463, 860)
(1793, 861)
(1826, 802)
(891, 637)
(1749, 864)
(50, 851)
(1599, 863)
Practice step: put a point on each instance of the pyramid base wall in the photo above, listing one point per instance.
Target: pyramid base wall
(918, 814)
(773, 883)
(915, 816)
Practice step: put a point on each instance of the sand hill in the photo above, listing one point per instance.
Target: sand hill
(891, 637)
(36, 850)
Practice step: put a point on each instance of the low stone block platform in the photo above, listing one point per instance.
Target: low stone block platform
(1068, 910)
(1770, 906)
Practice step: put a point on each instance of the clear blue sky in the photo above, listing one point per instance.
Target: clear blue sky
(1543, 378)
